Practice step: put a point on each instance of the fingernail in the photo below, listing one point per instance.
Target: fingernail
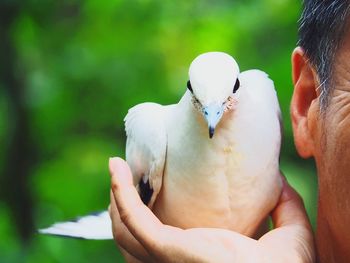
(116, 166)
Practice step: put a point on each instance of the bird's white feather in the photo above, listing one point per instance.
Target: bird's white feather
(96, 226)
(231, 181)
(213, 76)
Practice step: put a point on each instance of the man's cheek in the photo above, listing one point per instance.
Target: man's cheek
(340, 157)
(338, 110)
(337, 129)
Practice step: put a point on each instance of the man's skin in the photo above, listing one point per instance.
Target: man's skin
(326, 137)
(323, 136)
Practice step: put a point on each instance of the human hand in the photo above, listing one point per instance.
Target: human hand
(140, 233)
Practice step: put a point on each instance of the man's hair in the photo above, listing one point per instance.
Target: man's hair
(321, 29)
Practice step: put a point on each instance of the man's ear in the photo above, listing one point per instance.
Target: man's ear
(305, 82)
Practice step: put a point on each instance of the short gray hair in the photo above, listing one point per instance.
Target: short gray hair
(321, 29)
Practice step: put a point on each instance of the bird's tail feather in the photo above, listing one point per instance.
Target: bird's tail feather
(95, 226)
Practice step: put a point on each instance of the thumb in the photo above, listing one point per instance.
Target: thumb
(137, 217)
(290, 208)
(291, 240)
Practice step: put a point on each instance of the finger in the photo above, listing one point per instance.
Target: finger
(137, 217)
(129, 258)
(292, 238)
(290, 208)
(128, 245)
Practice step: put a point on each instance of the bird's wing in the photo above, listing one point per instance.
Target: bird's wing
(145, 152)
(146, 148)
(263, 88)
(260, 89)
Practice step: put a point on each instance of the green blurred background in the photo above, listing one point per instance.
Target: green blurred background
(71, 69)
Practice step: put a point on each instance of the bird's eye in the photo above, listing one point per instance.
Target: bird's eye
(189, 86)
(237, 85)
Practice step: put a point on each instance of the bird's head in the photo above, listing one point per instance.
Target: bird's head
(213, 83)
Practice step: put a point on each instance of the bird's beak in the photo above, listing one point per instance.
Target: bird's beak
(212, 115)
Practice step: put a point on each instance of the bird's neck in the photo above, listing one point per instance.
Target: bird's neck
(190, 119)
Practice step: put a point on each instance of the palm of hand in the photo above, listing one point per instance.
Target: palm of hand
(151, 241)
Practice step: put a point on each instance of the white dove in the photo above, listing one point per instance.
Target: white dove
(212, 160)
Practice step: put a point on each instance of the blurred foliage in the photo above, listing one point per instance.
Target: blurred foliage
(78, 66)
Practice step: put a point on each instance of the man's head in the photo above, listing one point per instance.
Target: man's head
(320, 111)
(321, 32)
